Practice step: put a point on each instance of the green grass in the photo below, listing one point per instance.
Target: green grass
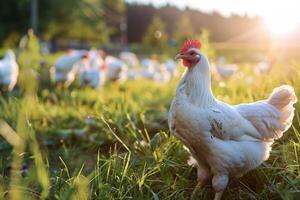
(115, 143)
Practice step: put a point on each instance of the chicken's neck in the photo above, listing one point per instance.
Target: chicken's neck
(198, 87)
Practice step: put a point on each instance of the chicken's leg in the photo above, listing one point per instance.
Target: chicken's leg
(219, 183)
(203, 174)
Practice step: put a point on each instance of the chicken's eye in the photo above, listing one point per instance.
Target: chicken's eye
(192, 53)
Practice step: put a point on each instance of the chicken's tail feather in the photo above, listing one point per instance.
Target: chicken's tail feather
(283, 98)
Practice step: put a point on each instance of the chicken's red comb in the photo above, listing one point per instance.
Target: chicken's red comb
(190, 44)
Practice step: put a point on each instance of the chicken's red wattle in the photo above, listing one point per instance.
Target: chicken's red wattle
(187, 63)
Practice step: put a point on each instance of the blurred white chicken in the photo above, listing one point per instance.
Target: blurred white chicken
(116, 69)
(163, 75)
(171, 67)
(149, 68)
(65, 68)
(92, 72)
(262, 67)
(224, 69)
(153, 70)
(129, 58)
(133, 74)
(9, 70)
(225, 141)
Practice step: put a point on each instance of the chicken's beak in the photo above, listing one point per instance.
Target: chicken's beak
(181, 56)
(177, 57)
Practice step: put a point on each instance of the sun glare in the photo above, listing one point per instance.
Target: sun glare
(280, 25)
(281, 18)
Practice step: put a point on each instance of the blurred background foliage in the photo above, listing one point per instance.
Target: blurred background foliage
(156, 35)
(184, 29)
(101, 22)
(81, 20)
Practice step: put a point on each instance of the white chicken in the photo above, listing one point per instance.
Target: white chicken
(153, 70)
(225, 141)
(224, 69)
(262, 67)
(9, 70)
(65, 68)
(171, 67)
(133, 74)
(116, 69)
(163, 75)
(150, 68)
(92, 72)
(129, 58)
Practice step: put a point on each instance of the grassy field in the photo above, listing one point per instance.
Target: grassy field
(80, 143)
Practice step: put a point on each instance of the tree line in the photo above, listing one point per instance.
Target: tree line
(191, 21)
(94, 21)
(104, 21)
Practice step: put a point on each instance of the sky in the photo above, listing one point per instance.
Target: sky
(281, 16)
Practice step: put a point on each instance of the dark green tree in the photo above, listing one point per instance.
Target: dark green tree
(73, 19)
(14, 20)
(85, 20)
(206, 46)
(113, 14)
(156, 36)
(184, 29)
